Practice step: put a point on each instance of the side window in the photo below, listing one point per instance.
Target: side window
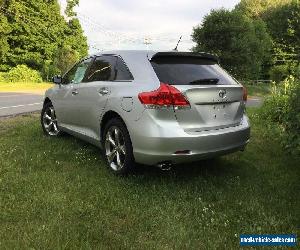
(102, 69)
(77, 73)
(122, 71)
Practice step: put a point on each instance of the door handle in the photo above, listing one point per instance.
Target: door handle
(75, 92)
(103, 91)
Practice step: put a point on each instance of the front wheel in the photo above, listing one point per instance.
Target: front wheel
(49, 121)
(118, 148)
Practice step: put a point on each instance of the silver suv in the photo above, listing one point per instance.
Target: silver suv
(154, 108)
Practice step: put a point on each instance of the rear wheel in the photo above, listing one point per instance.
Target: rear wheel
(49, 121)
(118, 148)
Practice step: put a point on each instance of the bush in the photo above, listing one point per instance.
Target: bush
(21, 73)
(282, 108)
(2, 77)
(297, 71)
(279, 72)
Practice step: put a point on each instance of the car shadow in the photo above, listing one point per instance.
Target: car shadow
(219, 166)
(208, 168)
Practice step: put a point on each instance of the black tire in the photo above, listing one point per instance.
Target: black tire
(128, 158)
(52, 129)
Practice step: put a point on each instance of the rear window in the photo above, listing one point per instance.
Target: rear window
(122, 72)
(184, 70)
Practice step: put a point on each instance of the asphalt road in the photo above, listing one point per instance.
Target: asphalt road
(254, 102)
(18, 103)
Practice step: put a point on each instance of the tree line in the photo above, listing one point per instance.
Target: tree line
(258, 39)
(36, 34)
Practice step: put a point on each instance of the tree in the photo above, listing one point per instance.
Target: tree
(69, 11)
(256, 8)
(282, 21)
(36, 32)
(283, 24)
(5, 29)
(241, 43)
(75, 39)
(75, 44)
(66, 58)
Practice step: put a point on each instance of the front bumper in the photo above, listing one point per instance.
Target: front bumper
(156, 145)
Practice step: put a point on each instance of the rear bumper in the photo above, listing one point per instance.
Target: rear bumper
(156, 145)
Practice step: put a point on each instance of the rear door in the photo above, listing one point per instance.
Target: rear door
(94, 92)
(216, 99)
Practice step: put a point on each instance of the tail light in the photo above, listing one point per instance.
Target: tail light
(245, 94)
(165, 96)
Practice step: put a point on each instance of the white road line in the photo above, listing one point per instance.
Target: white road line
(23, 105)
(15, 95)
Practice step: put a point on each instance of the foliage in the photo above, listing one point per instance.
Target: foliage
(66, 57)
(284, 27)
(279, 72)
(71, 41)
(36, 32)
(241, 43)
(257, 37)
(257, 89)
(70, 6)
(297, 72)
(282, 107)
(256, 8)
(21, 73)
(2, 77)
(282, 20)
(4, 46)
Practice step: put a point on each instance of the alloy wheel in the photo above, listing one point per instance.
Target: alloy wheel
(115, 148)
(50, 121)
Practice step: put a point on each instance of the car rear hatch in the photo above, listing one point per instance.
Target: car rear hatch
(216, 99)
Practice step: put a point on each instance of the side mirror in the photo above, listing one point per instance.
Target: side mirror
(57, 79)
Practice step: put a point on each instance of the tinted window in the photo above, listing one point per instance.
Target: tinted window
(189, 70)
(122, 72)
(77, 73)
(102, 69)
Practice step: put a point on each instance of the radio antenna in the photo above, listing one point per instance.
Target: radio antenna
(178, 43)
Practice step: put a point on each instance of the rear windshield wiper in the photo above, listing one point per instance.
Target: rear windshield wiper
(205, 81)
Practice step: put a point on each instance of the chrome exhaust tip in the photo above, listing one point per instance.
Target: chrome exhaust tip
(165, 166)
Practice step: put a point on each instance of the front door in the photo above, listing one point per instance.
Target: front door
(67, 105)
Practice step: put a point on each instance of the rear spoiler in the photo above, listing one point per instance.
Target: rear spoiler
(188, 54)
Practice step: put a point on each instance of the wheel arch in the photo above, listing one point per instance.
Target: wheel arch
(107, 117)
(47, 100)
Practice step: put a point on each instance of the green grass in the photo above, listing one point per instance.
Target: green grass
(56, 193)
(23, 87)
(260, 90)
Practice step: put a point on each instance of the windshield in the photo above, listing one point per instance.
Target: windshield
(184, 70)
